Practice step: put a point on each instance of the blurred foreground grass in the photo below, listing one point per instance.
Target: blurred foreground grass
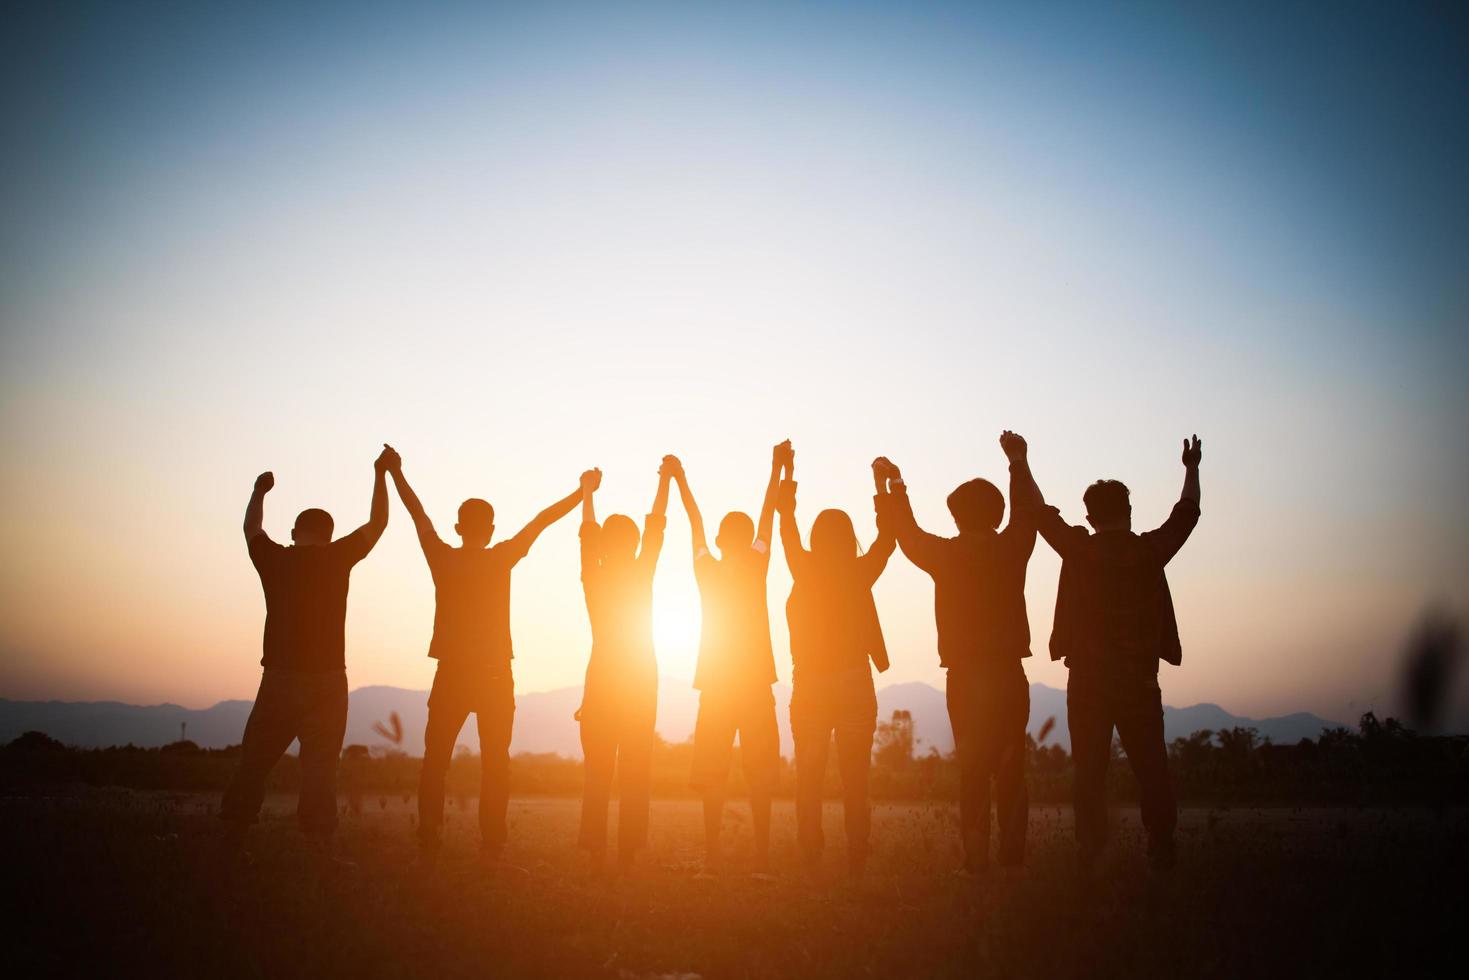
(116, 882)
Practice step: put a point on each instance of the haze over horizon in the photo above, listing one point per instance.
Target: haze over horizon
(519, 242)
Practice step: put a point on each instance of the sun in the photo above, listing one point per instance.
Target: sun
(676, 620)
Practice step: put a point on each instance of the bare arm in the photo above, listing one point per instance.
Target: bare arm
(660, 499)
(696, 519)
(522, 541)
(428, 538)
(360, 541)
(590, 481)
(790, 531)
(783, 457)
(875, 559)
(255, 509)
(656, 522)
(1193, 454)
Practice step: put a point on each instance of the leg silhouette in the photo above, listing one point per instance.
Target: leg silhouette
(496, 721)
(323, 722)
(445, 719)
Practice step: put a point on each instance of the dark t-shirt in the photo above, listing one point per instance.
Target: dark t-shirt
(305, 601)
(831, 613)
(978, 585)
(734, 641)
(1114, 611)
(472, 603)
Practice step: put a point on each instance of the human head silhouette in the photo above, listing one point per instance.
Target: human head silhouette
(476, 522)
(977, 505)
(619, 538)
(1108, 506)
(313, 526)
(832, 536)
(736, 534)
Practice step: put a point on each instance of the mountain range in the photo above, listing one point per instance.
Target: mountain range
(544, 722)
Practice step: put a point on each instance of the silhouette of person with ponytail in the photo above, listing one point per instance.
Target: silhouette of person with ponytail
(620, 699)
(836, 638)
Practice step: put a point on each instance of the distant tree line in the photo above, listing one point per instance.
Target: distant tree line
(1381, 763)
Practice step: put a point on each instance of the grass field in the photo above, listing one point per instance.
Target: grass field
(124, 883)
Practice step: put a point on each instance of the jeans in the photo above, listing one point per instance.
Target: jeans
(989, 706)
(454, 696)
(722, 714)
(1134, 705)
(292, 704)
(844, 705)
(617, 733)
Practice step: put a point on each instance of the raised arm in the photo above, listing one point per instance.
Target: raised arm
(783, 457)
(1025, 495)
(922, 548)
(665, 477)
(428, 538)
(875, 559)
(360, 541)
(1019, 532)
(696, 519)
(790, 531)
(654, 526)
(1167, 539)
(590, 481)
(255, 509)
(1192, 456)
(522, 541)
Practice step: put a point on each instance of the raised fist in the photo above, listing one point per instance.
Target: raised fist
(1192, 452)
(264, 482)
(591, 480)
(1013, 444)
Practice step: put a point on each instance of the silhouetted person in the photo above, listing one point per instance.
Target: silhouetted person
(834, 634)
(983, 636)
(1114, 623)
(619, 706)
(1433, 658)
(471, 642)
(303, 689)
(736, 663)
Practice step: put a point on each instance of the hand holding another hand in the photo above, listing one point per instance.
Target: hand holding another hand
(783, 456)
(388, 461)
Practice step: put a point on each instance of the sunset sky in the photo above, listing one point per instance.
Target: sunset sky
(518, 241)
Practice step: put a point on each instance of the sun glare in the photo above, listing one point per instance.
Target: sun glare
(676, 619)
